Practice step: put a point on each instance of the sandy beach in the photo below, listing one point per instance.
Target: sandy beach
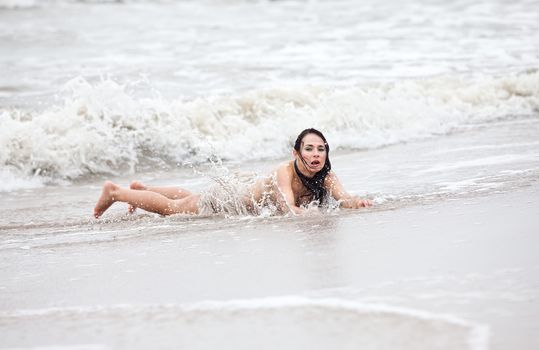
(473, 260)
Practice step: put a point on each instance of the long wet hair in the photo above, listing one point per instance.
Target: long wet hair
(314, 184)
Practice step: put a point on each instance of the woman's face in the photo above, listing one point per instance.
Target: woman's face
(314, 153)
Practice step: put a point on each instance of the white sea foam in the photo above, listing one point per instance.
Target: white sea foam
(483, 162)
(102, 129)
(14, 4)
(9, 181)
(24, 4)
(64, 347)
(288, 321)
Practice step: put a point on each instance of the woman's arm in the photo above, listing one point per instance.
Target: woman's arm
(284, 192)
(334, 186)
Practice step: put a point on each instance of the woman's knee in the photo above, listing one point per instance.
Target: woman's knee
(189, 204)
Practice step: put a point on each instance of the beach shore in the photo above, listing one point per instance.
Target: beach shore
(473, 259)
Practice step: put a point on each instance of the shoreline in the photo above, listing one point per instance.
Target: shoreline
(472, 258)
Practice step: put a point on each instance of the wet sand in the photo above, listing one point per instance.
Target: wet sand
(473, 259)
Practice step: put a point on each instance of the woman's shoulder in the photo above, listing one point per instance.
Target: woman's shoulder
(285, 166)
(331, 175)
(285, 170)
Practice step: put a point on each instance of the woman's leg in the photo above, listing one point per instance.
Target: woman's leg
(170, 192)
(147, 200)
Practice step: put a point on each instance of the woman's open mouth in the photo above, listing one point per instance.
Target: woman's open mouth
(315, 163)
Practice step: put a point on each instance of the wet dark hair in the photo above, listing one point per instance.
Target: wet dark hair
(314, 184)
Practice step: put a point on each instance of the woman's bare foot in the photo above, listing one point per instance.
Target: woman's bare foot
(135, 185)
(106, 199)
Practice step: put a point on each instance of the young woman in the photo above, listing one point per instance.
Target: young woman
(291, 188)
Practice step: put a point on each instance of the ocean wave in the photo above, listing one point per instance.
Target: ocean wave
(10, 181)
(101, 128)
(17, 4)
(28, 4)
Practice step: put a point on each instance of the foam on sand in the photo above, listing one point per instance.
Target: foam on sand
(278, 322)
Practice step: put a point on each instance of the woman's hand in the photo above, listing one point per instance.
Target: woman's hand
(334, 186)
(356, 203)
(363, 203)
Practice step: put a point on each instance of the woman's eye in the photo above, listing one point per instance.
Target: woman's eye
(308, 149)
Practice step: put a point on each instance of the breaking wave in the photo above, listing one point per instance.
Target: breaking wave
(101, 128)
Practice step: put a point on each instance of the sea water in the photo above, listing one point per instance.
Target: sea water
(101, 87)
(421, 102)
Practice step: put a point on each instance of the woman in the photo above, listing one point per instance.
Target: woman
(291, 188)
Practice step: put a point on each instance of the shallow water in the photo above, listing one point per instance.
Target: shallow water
(86, 92)
(459, 273)
(475, 161)
(265, 323)
(446, 255)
